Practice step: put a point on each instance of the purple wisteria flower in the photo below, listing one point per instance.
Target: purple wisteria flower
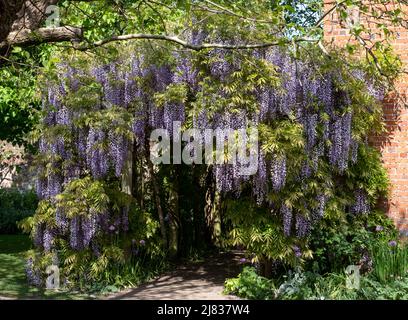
(297, 251)
(379, 228)
(361, 204)
(302, 226)
(33, 276)
(47, 240)
(392, 243)
(286, 213)
(75, 236)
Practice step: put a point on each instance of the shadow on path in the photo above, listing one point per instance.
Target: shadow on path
(193, 281)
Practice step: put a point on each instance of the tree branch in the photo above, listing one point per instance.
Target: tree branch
(141, 36)
(26, 37)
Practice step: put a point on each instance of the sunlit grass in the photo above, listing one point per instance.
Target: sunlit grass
(13, 282)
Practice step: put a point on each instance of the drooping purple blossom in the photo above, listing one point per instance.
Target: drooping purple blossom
(61, 220)
(118, 150)
(63, 116)
(310, 128)
(354, 151)
(41, 188)
(89, 228)
(54, 185)
(361, 204)
(286, 213)
(33, 275)
(220, 67)
(75, 235)
(302, 226)
(260, 179)
(278, 172)
(318, 212)
(96, 160)
(297, 251)
(47, 240)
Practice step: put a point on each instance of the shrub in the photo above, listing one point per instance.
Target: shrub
(15, 205)
(337, 243)
(313, 286)
(390, 261)
(250, 285)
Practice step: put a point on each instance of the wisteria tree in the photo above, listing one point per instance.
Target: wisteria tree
(105, 206)
(104, 201)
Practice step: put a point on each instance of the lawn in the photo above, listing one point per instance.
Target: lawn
(13, 282)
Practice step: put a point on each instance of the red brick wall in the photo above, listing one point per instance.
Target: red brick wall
(394, 143)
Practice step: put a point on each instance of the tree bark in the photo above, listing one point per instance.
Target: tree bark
(8, 15)
(267, 269)
(174, 214)
(212, 210)
(127, 177)
(156, 191)
(27, 37)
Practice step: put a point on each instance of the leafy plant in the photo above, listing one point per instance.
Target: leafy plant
(339, 243)
(390, 261)
(250, 285)
(15, 205)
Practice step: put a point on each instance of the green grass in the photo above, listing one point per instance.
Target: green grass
(13, 282)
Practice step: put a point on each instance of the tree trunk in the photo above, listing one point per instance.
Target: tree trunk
(8, 14)
(212, 210)
(156, 191)
(174, 214)
(266, 268)
(197, 214)
(127, 177)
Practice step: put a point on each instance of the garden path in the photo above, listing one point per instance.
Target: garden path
(192, 281)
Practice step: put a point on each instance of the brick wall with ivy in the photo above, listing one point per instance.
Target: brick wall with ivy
(393, 144)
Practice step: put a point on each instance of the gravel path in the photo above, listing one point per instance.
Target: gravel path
(195, 281)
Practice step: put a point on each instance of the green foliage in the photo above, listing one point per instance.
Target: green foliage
(250, 285)
(339, 243)
(19, 102)
(114, 259)
(261, 233)
(333, 287)
(83, 196)
(312, 286)
(390, 261)
(369, 174)
(15, 205)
